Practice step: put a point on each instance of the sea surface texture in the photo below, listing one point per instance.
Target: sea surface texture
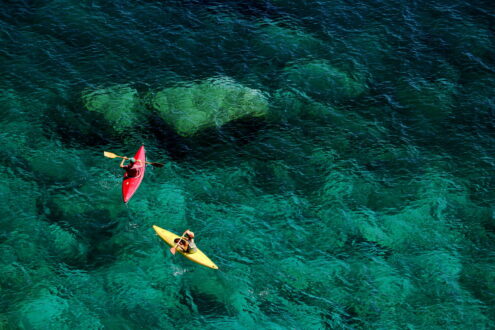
(335, 159)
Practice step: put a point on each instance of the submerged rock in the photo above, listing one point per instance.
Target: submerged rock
(320, 80)
(288, 106)
(135, 294)
(118, 105)
(465, 38)
(434, 99)
(64, 165)
(81, 316)
(64, 244)
(286, 44)
(23, 206)
(166, 201)
(13, 274)
(211, 103)
(44, 312)
(373, 51)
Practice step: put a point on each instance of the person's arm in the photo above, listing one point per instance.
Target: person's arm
(122, 163)
(190, 241)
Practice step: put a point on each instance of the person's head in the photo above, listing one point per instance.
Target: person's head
(190, 234)
(132, 160)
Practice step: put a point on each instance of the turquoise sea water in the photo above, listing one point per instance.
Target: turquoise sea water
(334, 158)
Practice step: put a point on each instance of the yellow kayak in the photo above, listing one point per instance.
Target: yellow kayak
(198, 257)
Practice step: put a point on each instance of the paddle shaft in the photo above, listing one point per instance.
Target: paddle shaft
(176, 245)
(112, 155)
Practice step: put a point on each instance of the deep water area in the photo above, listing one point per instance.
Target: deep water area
(335, 159)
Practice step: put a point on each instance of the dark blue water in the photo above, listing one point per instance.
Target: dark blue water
(335, 160)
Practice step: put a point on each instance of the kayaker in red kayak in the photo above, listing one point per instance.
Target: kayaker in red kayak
(131, 170)
(187, 244)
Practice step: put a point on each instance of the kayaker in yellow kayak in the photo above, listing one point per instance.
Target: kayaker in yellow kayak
(131, 171)
(187, 244)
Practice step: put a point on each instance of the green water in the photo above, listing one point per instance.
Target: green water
(335, 160)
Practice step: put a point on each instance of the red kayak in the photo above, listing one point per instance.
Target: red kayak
(131, 184)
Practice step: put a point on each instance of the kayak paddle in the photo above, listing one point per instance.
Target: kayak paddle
(112, 155)
(173, 249)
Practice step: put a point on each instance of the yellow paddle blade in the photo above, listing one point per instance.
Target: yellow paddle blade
(109, 154)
